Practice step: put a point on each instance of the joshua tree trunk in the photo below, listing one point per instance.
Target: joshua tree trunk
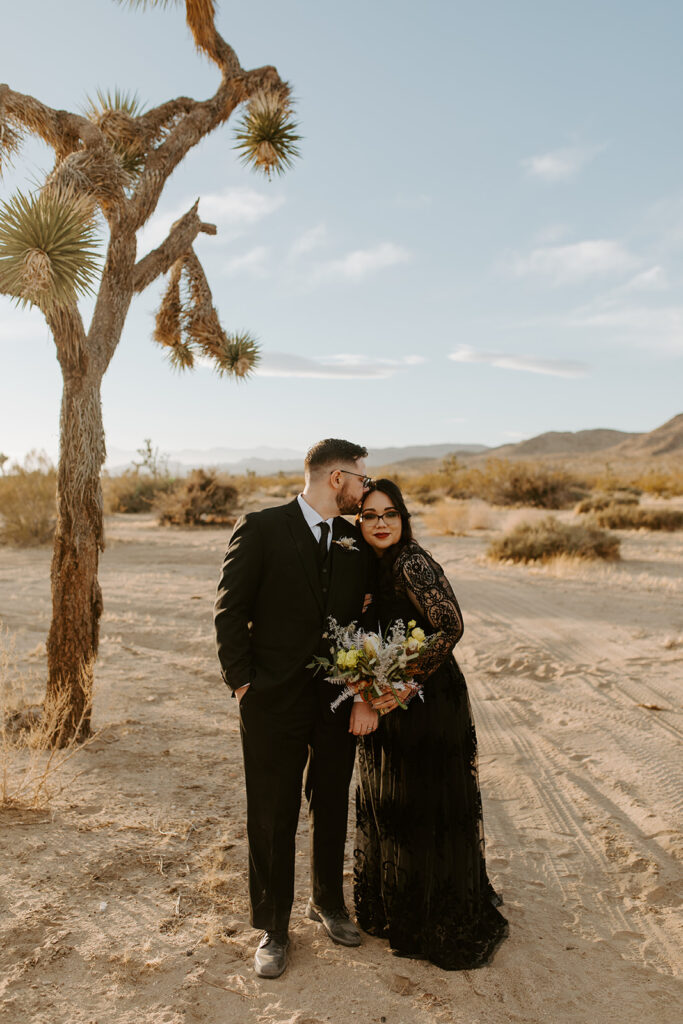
(76, 596)
(116, 160)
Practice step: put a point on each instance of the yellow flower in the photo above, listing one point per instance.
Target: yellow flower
(412, 623)
(419, 635)
(352, 658)
(341, 659)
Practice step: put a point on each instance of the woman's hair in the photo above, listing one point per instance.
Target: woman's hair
(393, 492)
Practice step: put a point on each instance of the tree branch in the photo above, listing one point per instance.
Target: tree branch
(58, 128)
(179, 241)
(196, 125)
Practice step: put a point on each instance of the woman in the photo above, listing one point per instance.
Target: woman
(420, 874)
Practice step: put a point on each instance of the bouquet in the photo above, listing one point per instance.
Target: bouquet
(372, 664)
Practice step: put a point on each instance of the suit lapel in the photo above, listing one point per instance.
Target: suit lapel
(343, 562)
(305, 544)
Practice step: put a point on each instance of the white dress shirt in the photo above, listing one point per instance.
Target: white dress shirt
(314, 520)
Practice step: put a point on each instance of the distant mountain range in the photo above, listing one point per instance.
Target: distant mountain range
(666, 440)
(265, 460)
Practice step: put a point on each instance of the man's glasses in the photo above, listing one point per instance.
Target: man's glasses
(390, 516)
(367, 480)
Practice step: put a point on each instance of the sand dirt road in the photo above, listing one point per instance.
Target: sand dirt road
(125, 900)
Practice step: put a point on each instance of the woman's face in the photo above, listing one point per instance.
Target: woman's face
(380, 521)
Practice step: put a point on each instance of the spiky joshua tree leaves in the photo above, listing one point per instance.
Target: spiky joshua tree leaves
(112, 162)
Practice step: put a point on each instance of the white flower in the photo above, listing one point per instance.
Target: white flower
(347, 543)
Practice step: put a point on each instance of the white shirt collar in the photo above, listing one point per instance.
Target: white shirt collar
(312, 517)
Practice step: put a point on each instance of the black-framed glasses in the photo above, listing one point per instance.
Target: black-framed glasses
(367, 480)
(390, 516)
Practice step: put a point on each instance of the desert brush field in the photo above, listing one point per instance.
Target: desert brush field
(123, 895)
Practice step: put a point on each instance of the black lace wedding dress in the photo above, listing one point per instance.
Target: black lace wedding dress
(420, 872)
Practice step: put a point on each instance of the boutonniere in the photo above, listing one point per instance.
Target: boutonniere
(346, 543)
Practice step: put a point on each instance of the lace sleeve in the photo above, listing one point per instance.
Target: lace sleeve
(425, 583)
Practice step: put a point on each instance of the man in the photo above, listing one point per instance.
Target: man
(286, 570)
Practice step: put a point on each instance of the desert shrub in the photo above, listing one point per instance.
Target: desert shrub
(628, 517)
(665, 483)
(202, 498)
(427, 488)
(279, 485)
(133, 491)
(28, 504)
(503, 482)
(458, 518)
(548, 537)
(597, 502)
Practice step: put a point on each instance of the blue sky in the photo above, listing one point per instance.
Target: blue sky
(482, 241)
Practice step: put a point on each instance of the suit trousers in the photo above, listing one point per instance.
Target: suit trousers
(284, 734)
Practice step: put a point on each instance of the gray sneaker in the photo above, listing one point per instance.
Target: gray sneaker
(336, 923)
(271, 956)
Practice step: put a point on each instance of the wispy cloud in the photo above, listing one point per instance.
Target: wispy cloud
(231, 210)
(652, 280)
(560, 164)
(308, 240)
(253, 262)
(567, 264)
(342, 366)
(528, 364)
(361, 263)
(647, 327)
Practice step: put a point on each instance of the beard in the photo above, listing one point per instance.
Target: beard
(346, 505)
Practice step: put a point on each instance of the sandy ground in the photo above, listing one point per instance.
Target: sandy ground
(124, 900)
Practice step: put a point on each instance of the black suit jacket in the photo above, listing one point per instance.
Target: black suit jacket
(270, 611)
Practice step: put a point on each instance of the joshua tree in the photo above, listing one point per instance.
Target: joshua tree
(111, 165)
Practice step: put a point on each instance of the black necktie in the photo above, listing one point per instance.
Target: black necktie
(322, 543)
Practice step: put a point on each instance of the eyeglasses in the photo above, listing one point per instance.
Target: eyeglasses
(367, 480)
(390, 516)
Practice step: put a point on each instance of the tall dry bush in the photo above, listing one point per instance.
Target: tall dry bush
(549, 538)
(504, 482)
(203, 498)
(133, 491)
(28, 502)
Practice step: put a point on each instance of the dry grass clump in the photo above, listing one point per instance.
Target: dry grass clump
(203, 498)
(458, 518)
(31, 770)
(132, 491)
(28, 502)
(598, 502)
(629, 517)
(549, 538)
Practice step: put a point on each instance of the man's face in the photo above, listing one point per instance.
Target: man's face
(350, 494)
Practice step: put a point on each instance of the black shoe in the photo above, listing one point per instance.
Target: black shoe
(336, 923)
(271, 956)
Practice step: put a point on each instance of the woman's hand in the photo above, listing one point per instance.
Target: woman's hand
(363, 719)
(387, 702)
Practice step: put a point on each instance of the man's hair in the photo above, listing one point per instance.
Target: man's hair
(331, 451)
